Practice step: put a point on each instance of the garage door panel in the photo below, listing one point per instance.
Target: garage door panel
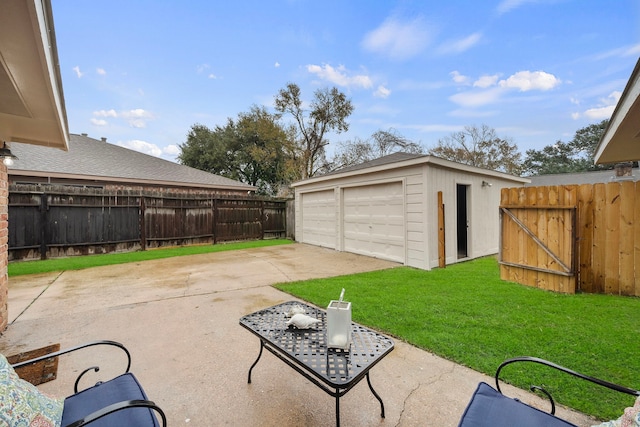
(373, 221)
(319, 218)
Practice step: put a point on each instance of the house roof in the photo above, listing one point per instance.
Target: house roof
(32, 108)
(579, 178)
(621, 139)
(400, 160)
(92, 159)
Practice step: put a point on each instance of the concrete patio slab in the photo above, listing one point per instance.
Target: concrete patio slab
(179, 319)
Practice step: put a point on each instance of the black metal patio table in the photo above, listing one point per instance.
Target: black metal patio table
(333, 370)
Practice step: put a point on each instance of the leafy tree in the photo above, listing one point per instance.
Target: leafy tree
(328, 112)
(480, 147)
(380, 144)
(565, 157)
(253, 149)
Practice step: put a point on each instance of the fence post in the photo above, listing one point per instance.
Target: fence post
(44, 220)
(215, 220)
(143, 228)
(262, 219)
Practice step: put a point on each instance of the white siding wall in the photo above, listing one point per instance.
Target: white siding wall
(482, 211)
(421, 184)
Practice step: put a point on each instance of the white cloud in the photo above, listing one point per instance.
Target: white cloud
(459, 46)
(136, 113)
(604, 110)
(459, 78)
(382, 92)
(79, 73)
(98, 122)
(136, 118)
(202, 68)
(105, 113)
(600, 113)
(101, 71)
(531, 80)
(171, 150)
(340, 76)
(477, 98)
(490, 88)
(212, 76)
(398, 39)
(508, 5)
(486, 81)
(277, 64)
(142, 147)
(620, 52)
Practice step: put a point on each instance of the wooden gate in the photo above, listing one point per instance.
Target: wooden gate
(572, 238)
(538, 236)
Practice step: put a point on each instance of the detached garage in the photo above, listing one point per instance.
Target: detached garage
(420, 211)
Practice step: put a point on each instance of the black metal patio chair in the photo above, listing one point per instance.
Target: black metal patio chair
(489, 407)
(120, 401)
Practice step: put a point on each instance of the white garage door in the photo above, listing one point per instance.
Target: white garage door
(319, 218)
(373, 221)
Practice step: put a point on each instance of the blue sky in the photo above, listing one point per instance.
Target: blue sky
(141, 73)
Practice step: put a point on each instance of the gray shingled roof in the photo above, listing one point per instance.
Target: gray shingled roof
(384, 160)
(96, 159)
(579, 178)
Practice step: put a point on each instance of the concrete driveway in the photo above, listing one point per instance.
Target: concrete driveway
(179, 319)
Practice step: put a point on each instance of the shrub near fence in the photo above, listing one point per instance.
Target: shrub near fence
(573, 238)
(80, 221)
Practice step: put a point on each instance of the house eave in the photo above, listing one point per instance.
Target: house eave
(32, 108)
(621, 139)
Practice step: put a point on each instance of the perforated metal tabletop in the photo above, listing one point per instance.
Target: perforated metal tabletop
(333, 370)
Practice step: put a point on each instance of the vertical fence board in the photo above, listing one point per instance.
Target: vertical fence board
(599, 238)
(531, 276)
(585, 229)
(543, 232)
(627, 207)
(612, 226)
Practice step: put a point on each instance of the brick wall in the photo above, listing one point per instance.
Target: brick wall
(4, 240)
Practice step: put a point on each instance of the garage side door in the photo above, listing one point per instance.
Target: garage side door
(319, 218)
(373, 221)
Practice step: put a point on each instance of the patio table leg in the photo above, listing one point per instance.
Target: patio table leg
(337, 408)
(254, 363)
(376, 396)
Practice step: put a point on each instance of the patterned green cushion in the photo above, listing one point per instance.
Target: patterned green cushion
(22, 404)
(630, 418)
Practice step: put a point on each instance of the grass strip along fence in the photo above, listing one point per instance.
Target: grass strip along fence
(81, 262)
(466, 314)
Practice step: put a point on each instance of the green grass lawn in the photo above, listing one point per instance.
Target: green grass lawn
(80, 262)
(466, 314)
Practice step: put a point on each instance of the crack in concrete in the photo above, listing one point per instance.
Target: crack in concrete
(405, 402)
(435, 380)
(187, 284)
(274, 265)
(37, 297)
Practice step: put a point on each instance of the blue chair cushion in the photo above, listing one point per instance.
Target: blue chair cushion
(489, 407)
(124, 387)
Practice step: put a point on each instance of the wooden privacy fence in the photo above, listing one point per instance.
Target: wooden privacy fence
(572, 238)
(85, 221)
